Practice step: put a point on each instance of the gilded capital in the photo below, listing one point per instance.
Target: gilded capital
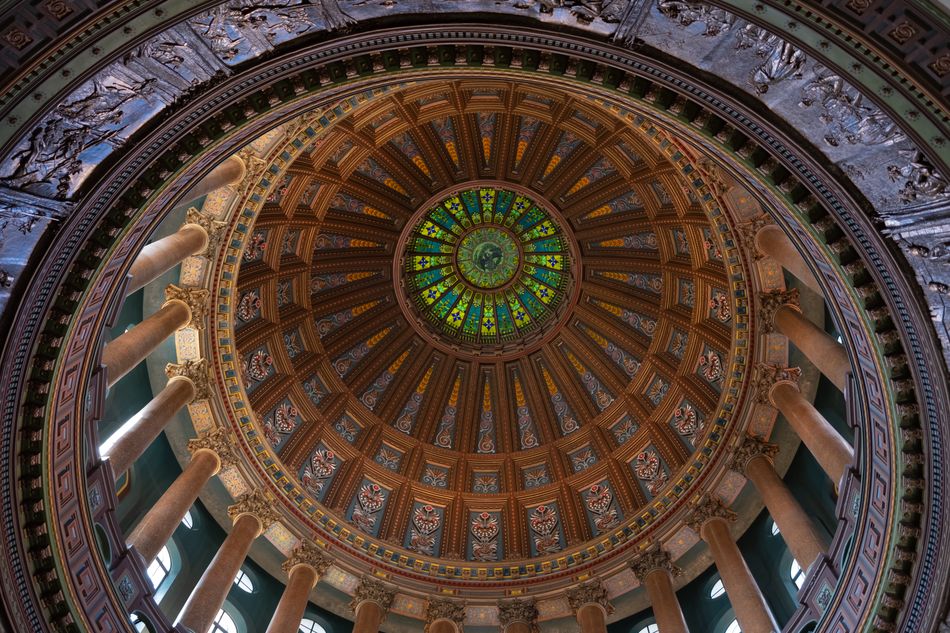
(445, 609)
(767, 376)
(651, 561)
(747, 231)
(372, 590)
(751, 447)
(258, 504)
(195, 298)
(518, 610)
(197, 372)
(310, 554)
(770, 302)
(217, 441)
(715, 177)
(592, 592)
(708, 509)
(214, 228)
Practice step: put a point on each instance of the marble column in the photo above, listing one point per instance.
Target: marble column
(304, 568)
(121, 355)
(187, 382)
(370, 604)
(778, 386)
(162, 255)
(518, 615)
(208, 454)
(590, 605)
(444, 615)
(229, 172)
(780, 311)
(710, 520)
(753, 459)
(771, 241)
(655, 570)
(251, 516)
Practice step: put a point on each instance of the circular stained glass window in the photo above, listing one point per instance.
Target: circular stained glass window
(487, 266)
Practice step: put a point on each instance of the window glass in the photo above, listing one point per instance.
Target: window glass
(775, 529)
(138, 623)
(188, 521)
(244, 582)
(158, 570)
(223, 623)
(797, 574)
(733, 627)
(309, 626)
(717, 590)
(650, 628)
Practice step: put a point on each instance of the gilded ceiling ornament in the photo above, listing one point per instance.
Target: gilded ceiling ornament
(373, 590)
(255, 167)
(519, 610)
(219, 442)
(747, 231)
(196, 371)
(752, 447)
(767, 376)
(715, 177)
(216, 230)
(652, 560)
(445, 609)
(310, 554)
(770, 302)
(195, 298)
(706, 510)
(257, 503)
(592, 592)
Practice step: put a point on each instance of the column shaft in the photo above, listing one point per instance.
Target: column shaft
(293, 602)
(149, 423)
(208, 595)
(825, 443)
(122, 354)
(369, 615)
(666, 608)
(773, 242)
(161, 255)
(795, 526)
(159, 523)
(592, 619)
(230, 172)
(752, 612)
(825, 353)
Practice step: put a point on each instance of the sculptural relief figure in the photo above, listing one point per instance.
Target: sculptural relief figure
(686, 13)
(782, 60)
(920, 179)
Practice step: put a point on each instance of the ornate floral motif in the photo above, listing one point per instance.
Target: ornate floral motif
(445, 609)
(687, 422)
(624, 428)
(649, 469)
(567, 420)
(597, 392)
(317, 473)
(485, 531)
(518, 610)
(583, 458)
(527, 431)
(196, 371)
(258, 504)
(371, 590)
(435, 475)
(770, 302)
(535, 476)
(485, 482)
(647, 282)
(310, 554)
(710, 366)
(768, 376)
(426, 521)
(361, 350)
(544, 523)
(706, 510)
(370, 397)
(657, 390)
(719, 306)
(195, 298)
(750, 448)
(592, 592)
(369, 501)
(282, 421)
(406, 420)
(256, 246)
(257, 367)
(445, 434)
(249, 306)
(653, 560)
(599, 500)
(486, 422)
(348, 428)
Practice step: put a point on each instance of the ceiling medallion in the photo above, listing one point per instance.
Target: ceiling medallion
(486, 268)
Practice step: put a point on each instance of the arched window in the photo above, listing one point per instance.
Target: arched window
(223, 623)
(244, 582)
(160, 568)
(733, 627)
(650, 628)
(309, 626)
(188, 520)
(797, 574)
(718, 590)
(138, 623)
(775, 530)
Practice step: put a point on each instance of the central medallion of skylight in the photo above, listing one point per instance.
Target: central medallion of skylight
(486, 266)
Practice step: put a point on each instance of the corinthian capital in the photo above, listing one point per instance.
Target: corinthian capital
(214, 228)
(194, 370)
(445, 609)
(511, 611)
(767, 376)
(372, 590)
(770, 302)
(258, 504)
(309, 554)
(651, 561)
(751, 447)
(195, 298)
(747, 231)
(592, 592)
(219, 442)
(707, 510)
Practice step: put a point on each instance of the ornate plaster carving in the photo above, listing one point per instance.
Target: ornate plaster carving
(525, 610)
(197, 372)
(752, 447)
(652, 560)
(708, 509)
(218, 441)
(257, 503)
(373, 590)
(592, 592)
(767, 376)
(195, 298)
(770, 302)
(445, 609)
(310, 554)
(747, 231)
(212, 227)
